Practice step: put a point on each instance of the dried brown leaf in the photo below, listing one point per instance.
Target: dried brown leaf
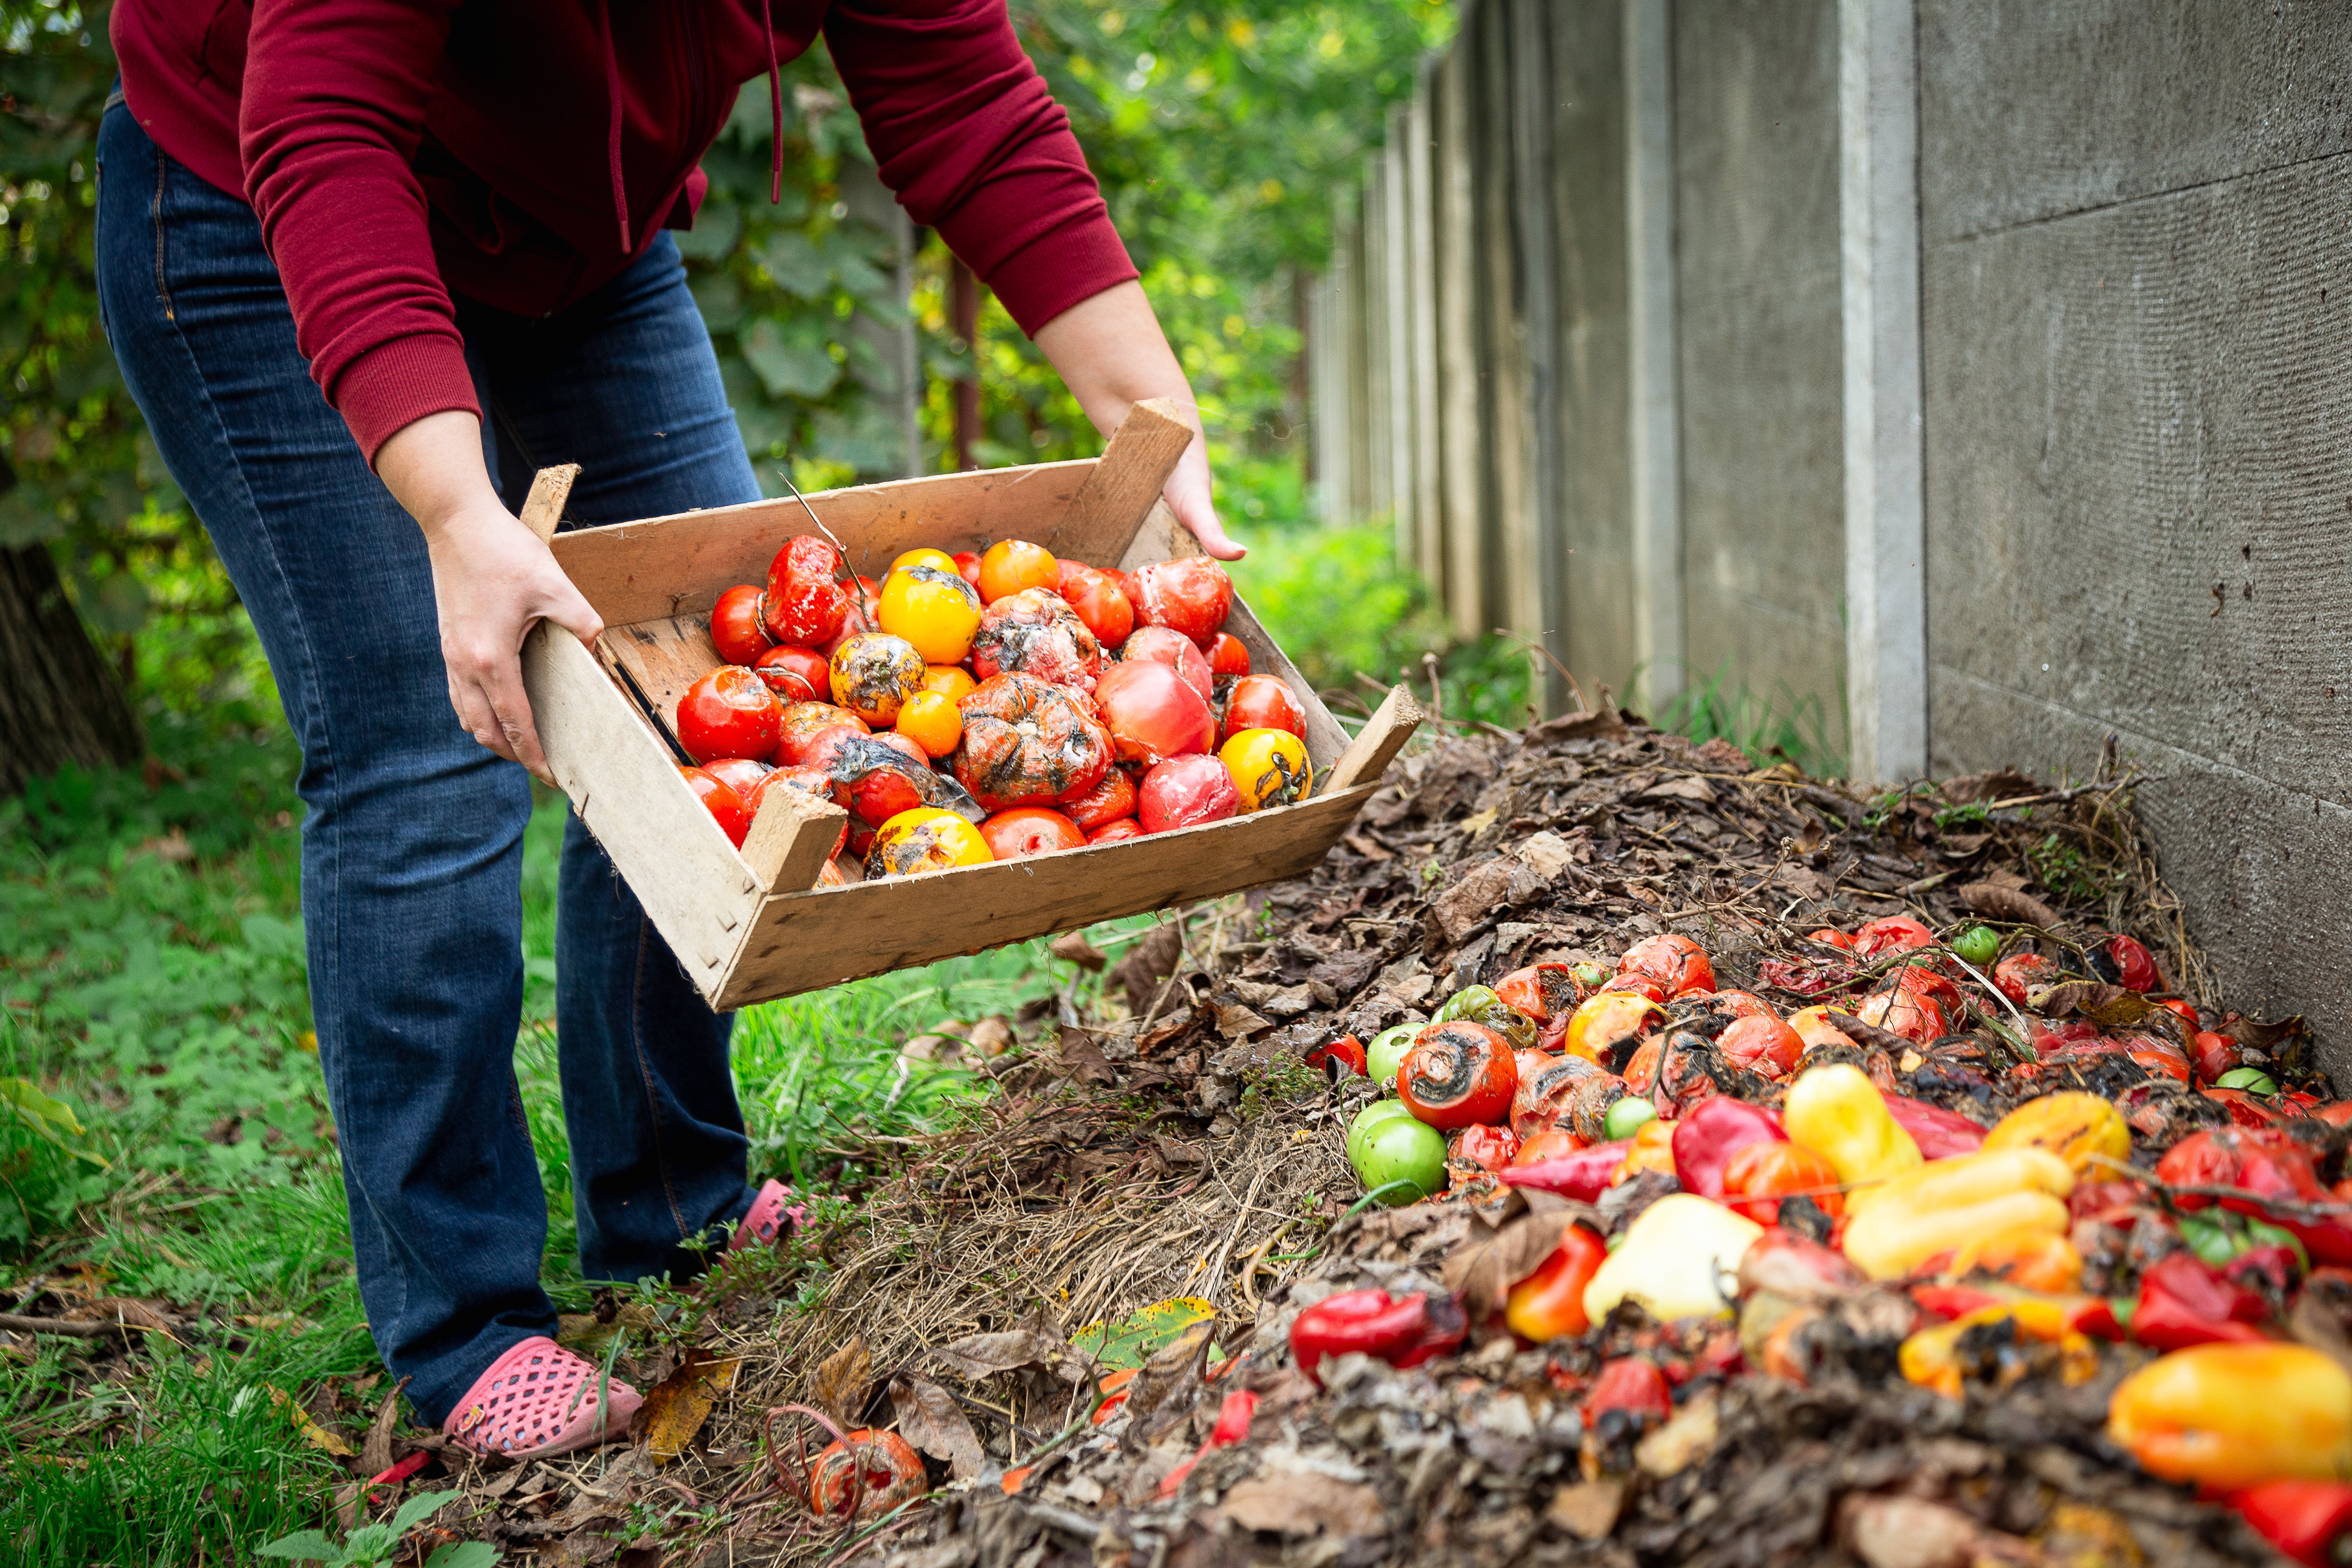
(1588, 1509)
(976, 1356)
(2106, 1005)
(1995, 902)
(675, 1408)
(1484, 1270)
(1167, 1380)
(375, 1454)
(1083, 1058)
(930, 1418)
(842, 1379)
(1305, 1504)
(1072, 947)
(2002, 783)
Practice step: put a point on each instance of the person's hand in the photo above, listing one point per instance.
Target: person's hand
(1113, 355)
(492, 582)
(493, 579)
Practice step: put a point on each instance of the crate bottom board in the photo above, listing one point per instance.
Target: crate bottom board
(806, 941)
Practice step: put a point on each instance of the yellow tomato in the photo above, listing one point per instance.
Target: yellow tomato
(951, 681)
(930, 605)
(874, 673)
(924, 839)
(924, 556)
(1269, 767)
(1601, 1021)
(1012, 564)
(932, 721)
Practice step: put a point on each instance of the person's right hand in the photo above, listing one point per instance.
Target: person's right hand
(493, 579)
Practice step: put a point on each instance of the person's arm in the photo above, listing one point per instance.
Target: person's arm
(963, 130)
(492, 578)
(1111, 352)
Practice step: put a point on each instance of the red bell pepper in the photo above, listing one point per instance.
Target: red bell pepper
(1716, 1129)
(1233, 1425)
(1548, 1304)
(2184, 1302)
(2311, 1521)
(1347, 1051)
(1583, 1175)
(1942, 1134)
(1401, 1333)
(2263, 1163)
(1630, 1383)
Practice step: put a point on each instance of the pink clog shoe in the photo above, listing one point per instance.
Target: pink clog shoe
(771, 1212)
(539, 1399)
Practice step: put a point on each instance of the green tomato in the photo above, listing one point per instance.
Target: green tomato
(1628, 1116)
(1371, 1116)
(1387, 1054)
(1979, 945)
(2208, 1240)
(2254, 1080)
(1480, 1005)
(1398, 1148)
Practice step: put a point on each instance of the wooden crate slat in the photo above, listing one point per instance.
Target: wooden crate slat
(803, 941)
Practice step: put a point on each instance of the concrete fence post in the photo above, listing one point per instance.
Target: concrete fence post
(1653, 351)
(1878, 221)
(1396, 243)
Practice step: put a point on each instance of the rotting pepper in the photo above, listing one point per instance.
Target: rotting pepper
(1548, 1304)
(2278, 1177)
(1933, 1358)
(2311, 1521)
(1675, 1259)
(1347, 1051)
(2184, 1301)
(1835, 1111)
(1895, 1227)
(2230, 1415)
(1403, 1332)
(1716, 1129)
(1762, 1173)
(2082, 1130)
(1583, 1175)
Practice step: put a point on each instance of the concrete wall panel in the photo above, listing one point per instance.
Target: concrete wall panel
(2029, 109)
(1762, 369)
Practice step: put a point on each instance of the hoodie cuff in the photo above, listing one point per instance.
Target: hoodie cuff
(1060, 268)
(395, 384)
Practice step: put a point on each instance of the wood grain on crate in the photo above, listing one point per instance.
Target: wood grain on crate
(1126, 484)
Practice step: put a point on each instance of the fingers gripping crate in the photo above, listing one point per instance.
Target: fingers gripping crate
(749, 924)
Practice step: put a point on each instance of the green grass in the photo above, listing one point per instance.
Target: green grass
(1779, 727)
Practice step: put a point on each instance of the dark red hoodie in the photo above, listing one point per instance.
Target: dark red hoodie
(523, 151)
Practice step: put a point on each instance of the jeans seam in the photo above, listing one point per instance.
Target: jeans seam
(645, 1076)
(164, 289)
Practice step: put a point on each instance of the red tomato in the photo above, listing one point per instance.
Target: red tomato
(800, 725)
(1630, 1384)
(728, 712)
(795, 674)
(1676, 963)
(2134, 965)
(1027, 831)
(2158, 1055)
(855, 622)
(735, 629)
(1538, 990)
(1896, 932)
(2216, 1054)
(968, 564)
(806, 601)
(1457, 1074)
(1638, 986)
(2187, 1010)
(874, 777)
(1105, 803)
(1098, 603)
(1547, 1143)
(2022, 971)
(1491, 1148)
(865, 1476)
(1192, 597)
(724, 804)
(741, 775)
(1161, 645)
(1741, 1004)
(1921, 981)
(1184, 792)
(1762, 1045)
(1262, 702)
(1915, 1018)
(1227, 656)
(808, 781)
(1125, 827)
(1152, 713)
(1832, 938)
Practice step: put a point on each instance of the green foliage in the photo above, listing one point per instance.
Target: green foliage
(379, 1542)
(1782, 727)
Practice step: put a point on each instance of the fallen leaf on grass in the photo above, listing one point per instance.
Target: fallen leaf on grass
(317, 1437)
(1170, 1378)
(1073, 947)
(1131, 1341)
(375, 1453)
(675, 1408)
(976, 1356)
(842, 1379)
(930, 1418)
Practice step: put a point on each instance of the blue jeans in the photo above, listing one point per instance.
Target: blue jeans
(412, 850)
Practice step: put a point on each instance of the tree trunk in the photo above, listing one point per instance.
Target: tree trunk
(59, 702)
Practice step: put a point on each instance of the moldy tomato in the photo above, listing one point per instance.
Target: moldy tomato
(865, 1475)
(1185, 792)
(925, 839)
(1012, 566)
(735, 629)
(1034, 633)
(1899, 1011)
(1676, 963)
(875, 777)
(1604, 1022)
(1027, 831)
(1098, 603)
(728, 712)
(1192, 597)
(795, 674)
(874, 674)
(805, 601)
(932, 607)
(1488, 1148)
(932, 721)
(802, 723)
(1227, 656)
(1457, 1074)
(725, 806)
(1762, 1045)
(1269, 767)
(1027, 742)
(1895, 933)
(1160, 646)
(1262, 702)
(2022, 971)
(1104, 803)
(1152, 713)
(1538, 990)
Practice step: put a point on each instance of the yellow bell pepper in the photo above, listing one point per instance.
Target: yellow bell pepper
(1835, 1111)
(2078, 1128)
(1894, 1227)
(1931, 1358)
(1679, 1259)
(2032, 1259)
(1653, 1150)
(2230, 1415)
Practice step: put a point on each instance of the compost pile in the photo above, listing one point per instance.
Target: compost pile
(1854, 1195)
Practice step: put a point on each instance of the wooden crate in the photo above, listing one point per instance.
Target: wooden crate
(748, 923)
